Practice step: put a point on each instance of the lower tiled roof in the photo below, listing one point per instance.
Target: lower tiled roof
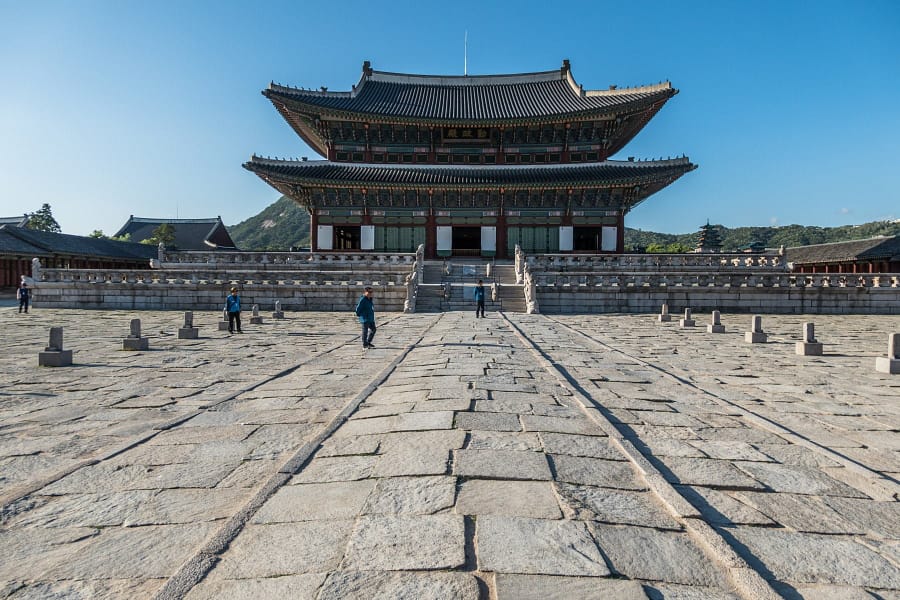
(29, 242)
(880, 248)
(326, 172)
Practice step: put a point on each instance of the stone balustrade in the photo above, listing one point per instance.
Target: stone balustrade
(278, 260)
(223, 277)
(708, 263)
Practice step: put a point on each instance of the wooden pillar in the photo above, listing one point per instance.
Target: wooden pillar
(620, 233)
(313, 231)
(430, 230)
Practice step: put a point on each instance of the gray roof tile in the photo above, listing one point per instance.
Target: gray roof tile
(472, 98)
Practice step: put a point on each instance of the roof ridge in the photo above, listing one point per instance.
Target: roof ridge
(868, 239)
(164, 220)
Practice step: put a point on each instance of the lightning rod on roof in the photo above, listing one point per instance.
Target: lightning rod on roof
(466, 53)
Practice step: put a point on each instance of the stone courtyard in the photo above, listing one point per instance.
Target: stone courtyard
(512, 457)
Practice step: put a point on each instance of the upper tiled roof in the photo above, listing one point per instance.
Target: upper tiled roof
(470, 98)
(190, 234)
(31, 243)
(327, 172)
(880, 248)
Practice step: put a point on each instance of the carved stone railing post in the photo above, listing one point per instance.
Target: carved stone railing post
(35, 270)
(412, 290)
(531, 303)
(519, 264)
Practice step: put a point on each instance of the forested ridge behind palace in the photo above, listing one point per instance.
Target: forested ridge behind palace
(468, 165)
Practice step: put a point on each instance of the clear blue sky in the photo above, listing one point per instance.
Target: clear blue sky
(791, 109)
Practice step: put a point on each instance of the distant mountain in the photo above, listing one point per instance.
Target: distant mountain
(285, 224)
(278, 227)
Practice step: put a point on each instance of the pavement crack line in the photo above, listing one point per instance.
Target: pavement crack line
(196, 568)
(749, 583)
(888, 485)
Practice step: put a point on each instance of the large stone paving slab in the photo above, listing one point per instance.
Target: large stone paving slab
(811, 558)
(537, 546)
(398, 543)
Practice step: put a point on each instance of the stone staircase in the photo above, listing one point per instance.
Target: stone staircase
(461, 279)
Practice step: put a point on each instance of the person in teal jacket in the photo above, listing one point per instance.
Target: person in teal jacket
(233, 308)
(479, 299)
(365, 310)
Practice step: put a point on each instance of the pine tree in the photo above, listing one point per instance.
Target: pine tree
(43, 220)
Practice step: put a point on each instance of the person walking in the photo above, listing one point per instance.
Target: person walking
(23, 294)
(479, 299)
(233, 308)
(365, 310)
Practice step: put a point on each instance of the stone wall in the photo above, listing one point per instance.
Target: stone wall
(566, 292)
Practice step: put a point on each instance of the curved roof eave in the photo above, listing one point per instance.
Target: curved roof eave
(268, 170)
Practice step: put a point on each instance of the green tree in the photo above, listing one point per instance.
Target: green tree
(165, 233)
(43, 220)
(98, 234)
(671, 248)
(126, 237)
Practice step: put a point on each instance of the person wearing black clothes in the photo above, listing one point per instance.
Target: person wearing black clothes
(479, 299)
(24, 295)
(233, 308)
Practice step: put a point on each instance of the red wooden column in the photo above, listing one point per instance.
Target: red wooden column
(313, 231)
(501, 228)
(430, 230)
(620, 233)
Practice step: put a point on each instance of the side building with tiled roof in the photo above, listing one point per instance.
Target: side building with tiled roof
(468, 165)
(19, 221)
(18, 246)
(190, 234)
(872, 255)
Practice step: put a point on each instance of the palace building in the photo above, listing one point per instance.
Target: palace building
(469, 165)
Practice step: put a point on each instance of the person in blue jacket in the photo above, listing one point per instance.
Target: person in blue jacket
(233, 308)
(479, 299)
(365, 310)
(24, 296)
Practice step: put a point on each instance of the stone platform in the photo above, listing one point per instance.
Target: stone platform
(518, 456)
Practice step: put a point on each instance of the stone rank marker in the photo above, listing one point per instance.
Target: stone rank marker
(54, 355)
(809, 346)
(223, 324)
(664, 316)
(188, 332)
(256, 319)
(278, 314)
(716, 325)
(891, 363)
(687, 321)
(134, 341)
(756, 335)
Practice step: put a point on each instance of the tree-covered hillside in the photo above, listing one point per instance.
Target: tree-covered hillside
(770, 237)
(278, 227)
